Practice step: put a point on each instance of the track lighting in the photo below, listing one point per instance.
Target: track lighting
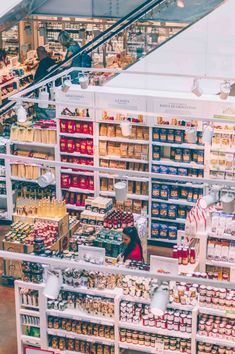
(53, 284)
(196, 88)
(180, 3)
(160, 300)
(66, 84)
(43, 97)
(210, 199)
(228, 202)
(21, 114)
(46, 179)
(225, 89)
(126, 127)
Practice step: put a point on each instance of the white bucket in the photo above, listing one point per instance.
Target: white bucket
(53, 285)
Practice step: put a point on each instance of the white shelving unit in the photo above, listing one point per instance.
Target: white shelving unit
(117, 296)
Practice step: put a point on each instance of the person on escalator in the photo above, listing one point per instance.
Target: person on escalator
(45, 64)
(83, 60)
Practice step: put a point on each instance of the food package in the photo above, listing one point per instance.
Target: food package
(139, 133)
(103, 130)
(103, 184)
(133, 132)
(138, 188)
(103, 148)
(111, 131)
(137, 151)
(123, 150)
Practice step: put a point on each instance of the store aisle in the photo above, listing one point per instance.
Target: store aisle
(7, 321)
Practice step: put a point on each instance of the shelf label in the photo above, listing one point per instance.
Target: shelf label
(83, 98)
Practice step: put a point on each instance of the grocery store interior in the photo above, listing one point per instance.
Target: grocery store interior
(117, 177)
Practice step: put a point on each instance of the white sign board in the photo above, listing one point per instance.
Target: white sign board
(175, 106)
(163, 265)
(120, 101)
(82, 98)
(91, 254)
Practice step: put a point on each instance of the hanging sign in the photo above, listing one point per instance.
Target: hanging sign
(77, 97)
(220, 110)
(121, 102)
(175, 106)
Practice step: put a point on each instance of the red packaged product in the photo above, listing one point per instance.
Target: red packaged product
(63, 144)
(83, 199)
(78, 127)
(64, 159)
(83, 146)
(65, 181)
(70, 145)
(90, 128)
(85, 128)
(72, 198)
(71, 127)
(83, 182)
(63, 126)
(78, 200)
(75, 181)
(90, 183)
(77, 145)
(89, 147)
(66, 197)
(76, 161)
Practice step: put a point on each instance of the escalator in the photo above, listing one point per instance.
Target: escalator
(139, 33)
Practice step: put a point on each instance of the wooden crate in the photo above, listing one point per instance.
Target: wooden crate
(62, 223)
(12, 268)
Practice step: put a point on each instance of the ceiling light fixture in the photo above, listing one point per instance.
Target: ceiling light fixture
(225, 89)
(196, 88)
(180, 3)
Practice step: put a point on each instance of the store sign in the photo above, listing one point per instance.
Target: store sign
(220, 110)
(78, 97)
(121, 102)
(163, 265)
(175, 107)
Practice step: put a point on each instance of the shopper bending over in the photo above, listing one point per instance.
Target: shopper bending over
(45, 64)
(73, 47)
(131, 240)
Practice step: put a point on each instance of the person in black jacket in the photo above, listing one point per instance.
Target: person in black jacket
(45, 63)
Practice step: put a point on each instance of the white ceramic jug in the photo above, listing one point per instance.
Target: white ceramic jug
(228, 203)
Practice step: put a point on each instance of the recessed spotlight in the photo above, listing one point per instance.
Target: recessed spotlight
(180, 3)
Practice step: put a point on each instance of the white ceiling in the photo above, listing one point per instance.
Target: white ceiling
(7, 5)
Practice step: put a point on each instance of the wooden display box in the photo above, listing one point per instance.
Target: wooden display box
(13, 268)
(62, 224)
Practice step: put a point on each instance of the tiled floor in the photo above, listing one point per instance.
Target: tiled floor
(7, 321)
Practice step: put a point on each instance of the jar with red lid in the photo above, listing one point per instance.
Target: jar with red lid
(71, 127)
(70, 145)
(222, 293)
(192, 255)
(228, 330)
(63, 144)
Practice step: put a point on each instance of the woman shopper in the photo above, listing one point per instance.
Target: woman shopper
(131, 240)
